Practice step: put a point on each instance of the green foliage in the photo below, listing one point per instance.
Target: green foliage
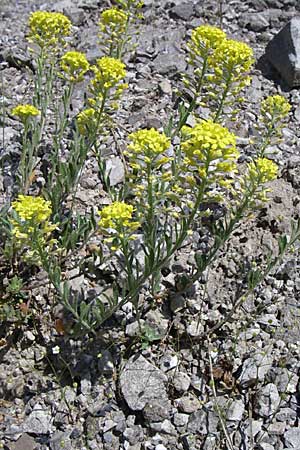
(172, 178)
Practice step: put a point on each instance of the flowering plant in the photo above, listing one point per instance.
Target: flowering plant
(48, 30)
(31, 227)
(173, 178)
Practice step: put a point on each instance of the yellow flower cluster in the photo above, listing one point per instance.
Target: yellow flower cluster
(118, 216)
(113, 21)
(116, 27)
(233, 56)
(107, 83)
(222, 63)
(74, 66)
(275, 106)
(87, 121)
(33, 214)
(131, 6)
(48, 29)
(262, 170)
(204, 39)
(210, 148)
(108, 73)
(25, 112)
(148, 143)
(29, 207)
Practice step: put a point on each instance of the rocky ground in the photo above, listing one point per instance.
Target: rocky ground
(116, 391)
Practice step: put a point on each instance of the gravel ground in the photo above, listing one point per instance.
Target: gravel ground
(114, 391)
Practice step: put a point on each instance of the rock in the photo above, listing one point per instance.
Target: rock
(134, 328)
(160, 447)
(285, 380)
(93, 54)
(61, 440)
(267, 401)
(157, 321)
(197, 422)
(181, 381)
(15, 59)
(157, 410)
(106, 362)
(188, 403)
(115, 170)
(39, 421)
(25, 442)
(177, 302)
(253, 427)
(269, 320)
(266, 446)
(70, 9)
(194, 329)
(142, 383)
(210, 443)
(180, 419)
(255, 21)
(286, 415)
(213, 420)
(168, 362)
(254, 369)
(165, 427)
(165, 87)
(283, 52)
(134, 434)
(85, 385)
(77, 281)
(88, 4)
(182, 11)
(292, 438)
(236, 410)
(277, 428)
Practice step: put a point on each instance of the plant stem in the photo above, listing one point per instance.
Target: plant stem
(220, 413)
(193, 103)
(224, 95)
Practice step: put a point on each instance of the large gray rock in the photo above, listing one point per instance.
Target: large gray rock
(39, 421)
(236, 410)
(292, 438)
(254, 369)
(268, 401)
(283, 52)
(25, 442)
(142, 383)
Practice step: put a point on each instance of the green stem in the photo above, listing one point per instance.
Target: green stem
(225, 93)
(267, 138)
(220, 241)
(193, 104)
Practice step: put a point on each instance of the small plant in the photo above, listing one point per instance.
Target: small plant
(173, 178)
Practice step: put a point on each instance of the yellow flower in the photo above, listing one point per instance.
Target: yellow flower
(235, 53)
(35, 208)
(149, 143)
(108, 73)
(25, 112)
(210, 147)
(262, 170)
(204, 38)
(117, 216)
(276, 106)
(113, 20)
(31, 226)
(87, 121)
(74, 65)
(48, 29)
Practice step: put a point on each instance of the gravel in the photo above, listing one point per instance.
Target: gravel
(118, 390)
